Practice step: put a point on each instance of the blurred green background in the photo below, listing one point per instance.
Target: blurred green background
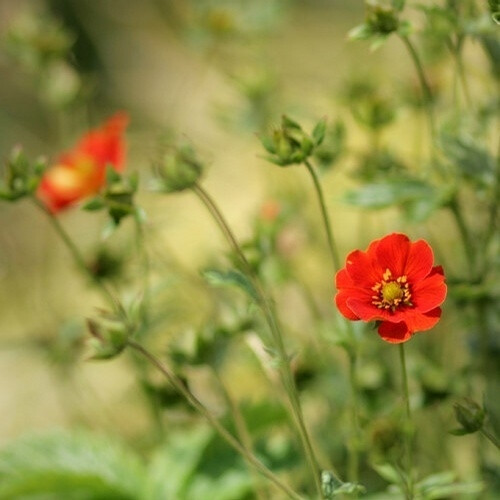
(217, 73)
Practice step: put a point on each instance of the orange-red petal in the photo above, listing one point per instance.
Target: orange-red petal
(429, 293)
(341, 302)
(392, 253)
(419, 261)
(395, 333)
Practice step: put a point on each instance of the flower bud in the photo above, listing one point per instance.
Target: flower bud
(178, 169)
(21, 177)
(109, 336)
(382, 19)
(290, 145)
(470, 415)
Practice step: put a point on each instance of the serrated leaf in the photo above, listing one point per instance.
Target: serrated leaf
(71, 466)
(231, 278)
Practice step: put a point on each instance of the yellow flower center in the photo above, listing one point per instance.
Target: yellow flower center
(391, 293)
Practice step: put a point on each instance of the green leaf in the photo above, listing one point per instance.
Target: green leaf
(177, 460)
(67, 465)
(382, 195)
(94, 204)
(473, 161)
(388, 472)
(231, 278)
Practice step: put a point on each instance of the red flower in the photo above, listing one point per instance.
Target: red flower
(393, 282)
(82, 171)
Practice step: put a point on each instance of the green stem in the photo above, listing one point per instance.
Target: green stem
(494, 440)
(239, 424)
(426, 89)
(221, 430)
(354, 447)
(408, 431)
(465, 235)
(334, 254)
(78, 258)
(266, 305)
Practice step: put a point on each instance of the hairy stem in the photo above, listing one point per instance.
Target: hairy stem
(426, 89)
(221, 430)
(239, 424)
(267, 307)
(78, 258)
(334, 254)
(408, 431)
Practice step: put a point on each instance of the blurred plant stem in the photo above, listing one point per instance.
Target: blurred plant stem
(221, 430)
(266, 305)
(426, 89)
(240, 426)
(353, 465)
(79, 260)
(493, 439)
(465, 235)
(408, 429)
(334, 254)
(456, 52)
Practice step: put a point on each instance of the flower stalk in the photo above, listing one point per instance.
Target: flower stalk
(266, 305)
(334, 254)
(214, 422)
(408, 430)
(426, 89)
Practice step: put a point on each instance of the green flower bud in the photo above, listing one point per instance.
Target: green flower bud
(470, 415)
(178, 169)
(21, 177)
(382, 19)
(110, 335)
(290, 145)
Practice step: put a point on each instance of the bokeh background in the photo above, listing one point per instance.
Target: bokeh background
(217, 73)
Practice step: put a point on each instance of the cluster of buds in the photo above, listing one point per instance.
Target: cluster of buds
(177, 169)
(290, 145)
(21, 177)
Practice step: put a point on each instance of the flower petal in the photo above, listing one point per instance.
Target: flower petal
(429, 293)
(419, 261)
(392, 253)
(418, 322)
(362, 306)
(341, 302)
(362, 268)
(343, 280)
(395, 333)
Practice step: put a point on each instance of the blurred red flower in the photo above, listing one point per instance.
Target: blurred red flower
(81, 171)
(393, 282)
